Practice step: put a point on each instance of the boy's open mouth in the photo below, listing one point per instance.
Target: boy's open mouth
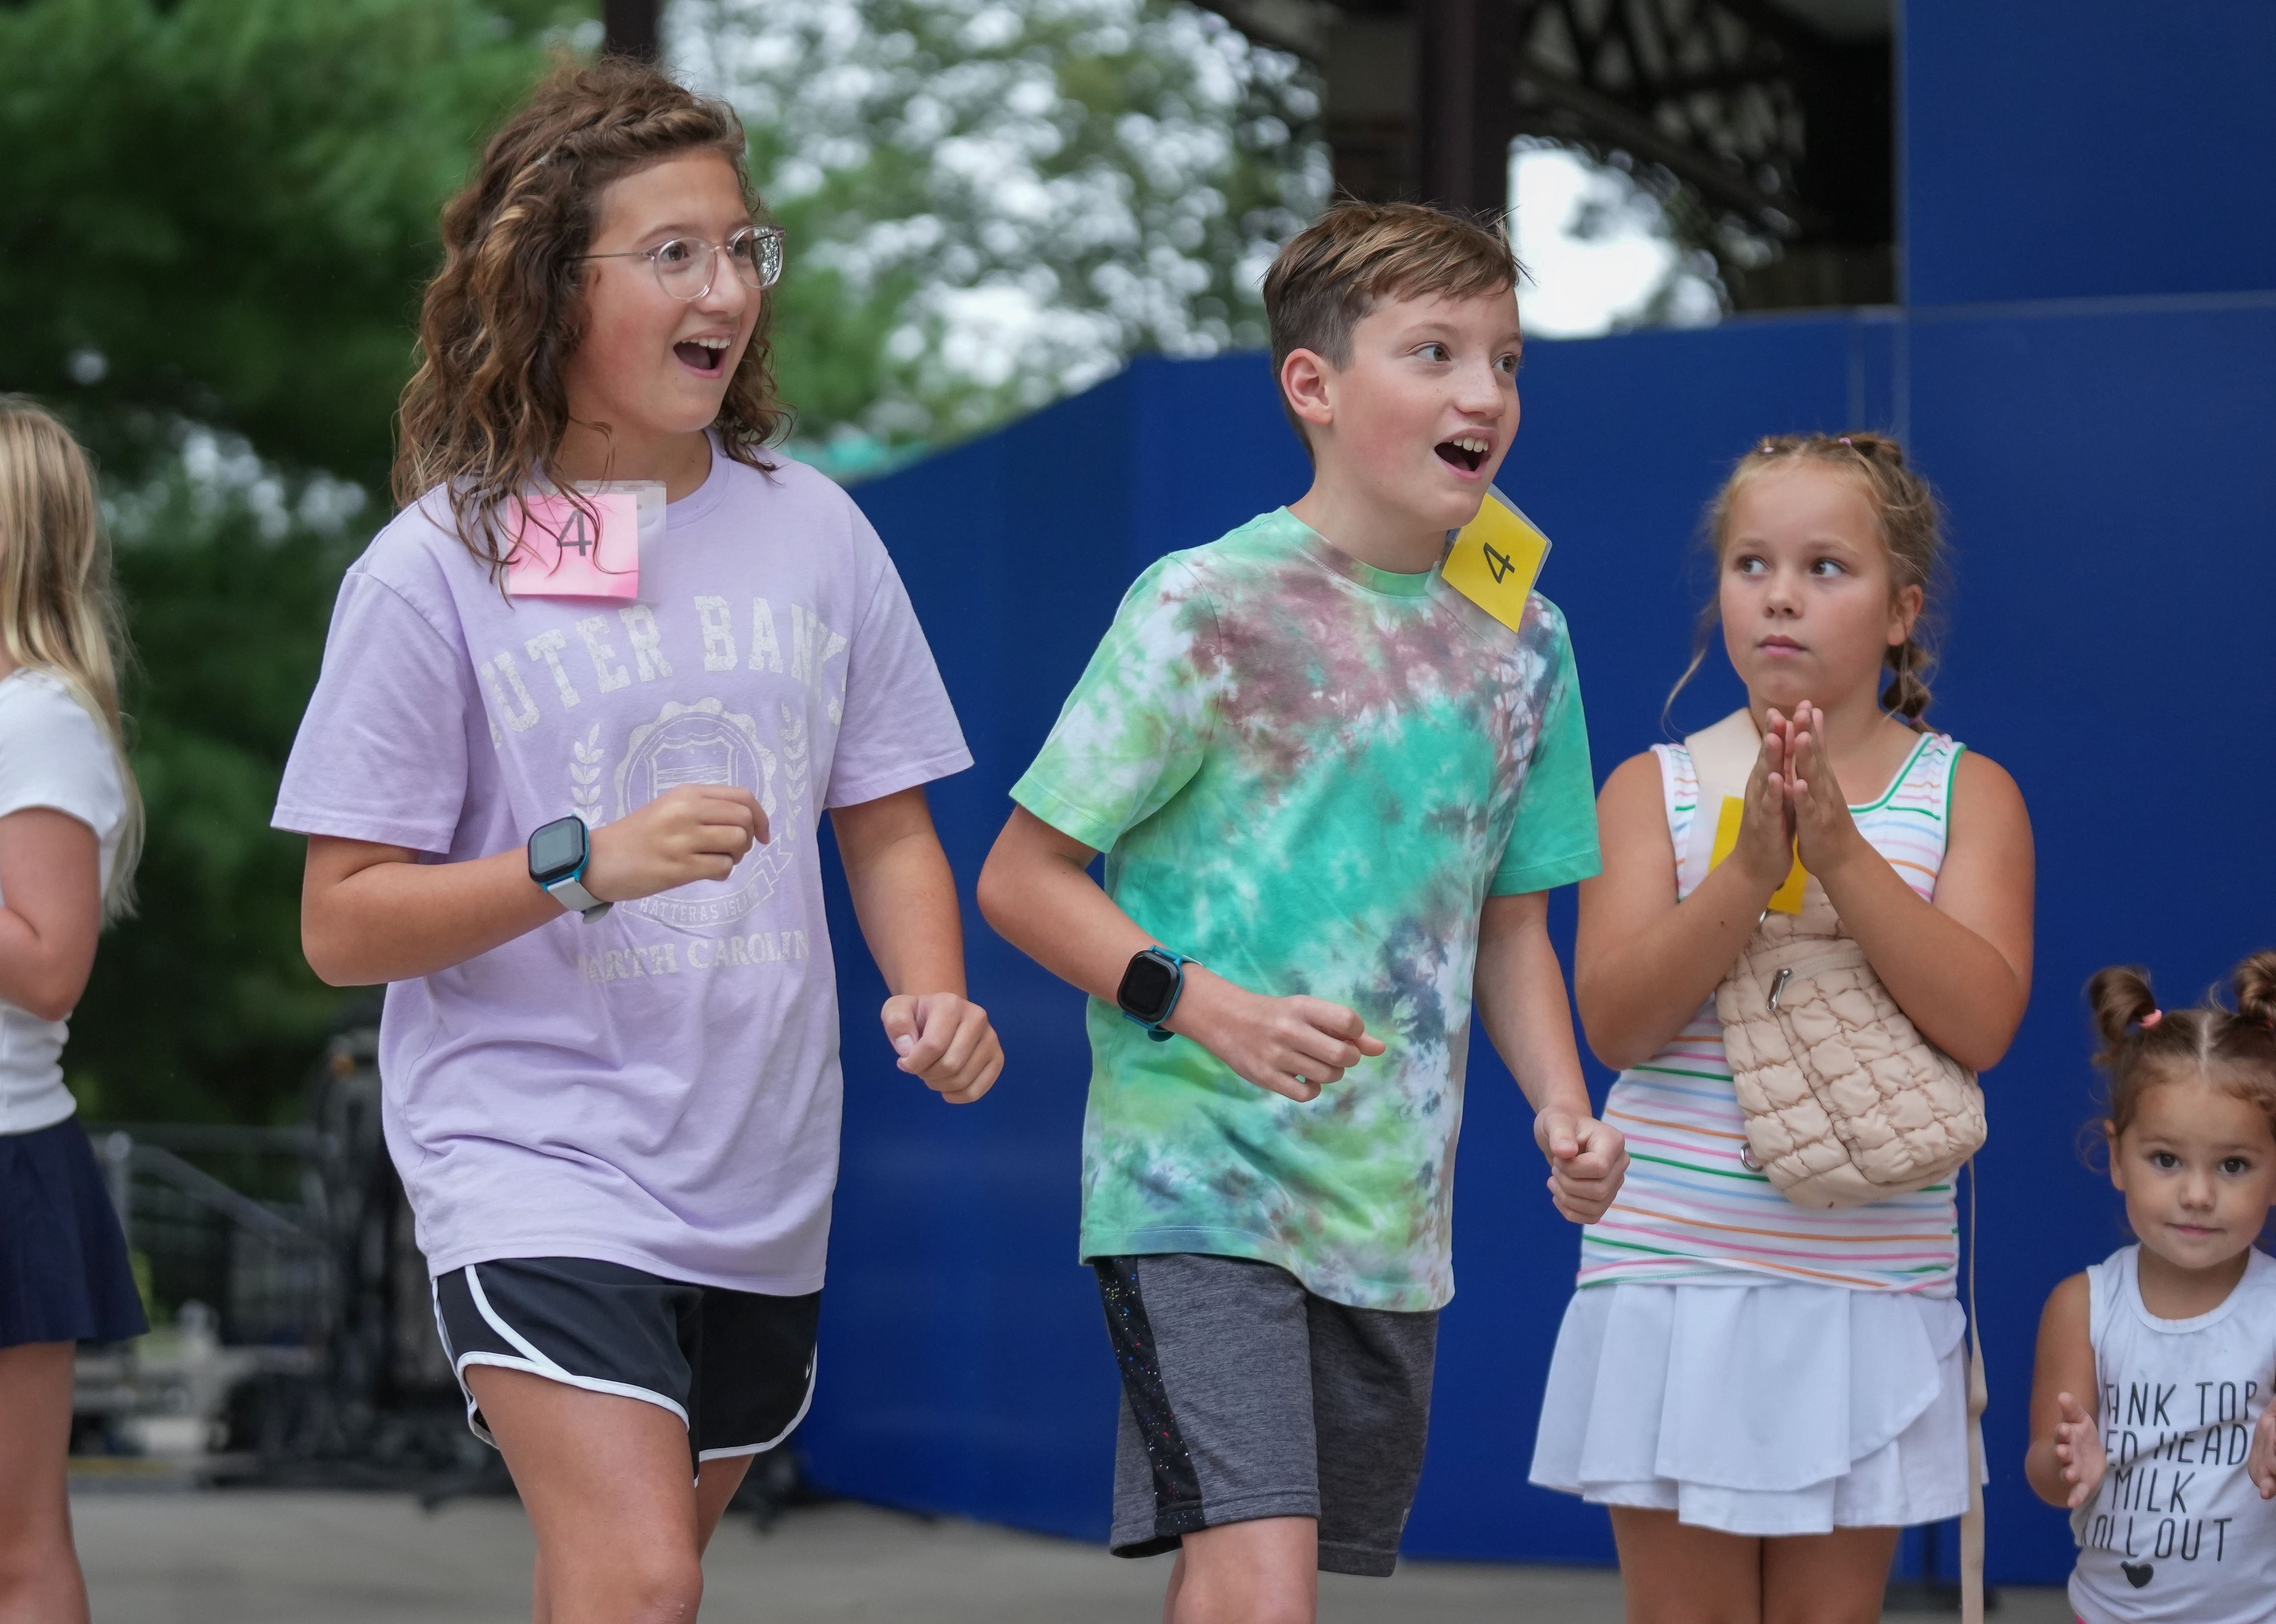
(1466, 452)
(701, 355)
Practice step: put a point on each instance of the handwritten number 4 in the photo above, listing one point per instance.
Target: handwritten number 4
(1498, 562)
(581, 539)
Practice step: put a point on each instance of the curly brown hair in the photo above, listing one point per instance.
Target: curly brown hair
(1911, 522)
(486, 409)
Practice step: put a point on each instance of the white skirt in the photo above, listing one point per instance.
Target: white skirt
(1764, 1410)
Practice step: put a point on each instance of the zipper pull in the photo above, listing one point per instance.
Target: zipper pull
(1779, 986)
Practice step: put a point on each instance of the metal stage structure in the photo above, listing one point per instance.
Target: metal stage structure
(1768, 124)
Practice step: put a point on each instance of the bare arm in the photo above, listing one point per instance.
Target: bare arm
(2064, 1462)
(1037, 891)
(51, 876)
(905, 898)
(1961, 966)
(1645, 963)
(1519, 992)
(372, 912)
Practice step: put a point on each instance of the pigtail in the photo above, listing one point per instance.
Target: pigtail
(2253, 984)
(1908, 695)
(2121, 1000)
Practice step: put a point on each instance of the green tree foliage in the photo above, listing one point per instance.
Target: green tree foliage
(201, 1006)
(990, 203)
(222, 210)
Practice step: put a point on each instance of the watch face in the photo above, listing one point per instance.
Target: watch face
(556, 851)
(1146, 987)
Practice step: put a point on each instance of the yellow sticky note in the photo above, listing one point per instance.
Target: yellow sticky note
(1787, 897)
(1495, 558)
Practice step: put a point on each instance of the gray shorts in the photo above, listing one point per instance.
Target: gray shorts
(1245, 1396)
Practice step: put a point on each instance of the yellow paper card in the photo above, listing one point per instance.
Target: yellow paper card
(1495, 558)
(1787, 897)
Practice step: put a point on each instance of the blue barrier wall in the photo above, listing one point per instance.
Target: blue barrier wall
(2073, 148)
(2110, 492)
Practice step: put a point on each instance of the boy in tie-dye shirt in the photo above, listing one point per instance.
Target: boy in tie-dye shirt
(1333, 793)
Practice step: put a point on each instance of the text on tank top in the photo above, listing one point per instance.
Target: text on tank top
(1690, 1211)
(2176, 1531)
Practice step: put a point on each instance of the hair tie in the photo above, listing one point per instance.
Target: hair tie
(2150, 1019)
(1845, 440)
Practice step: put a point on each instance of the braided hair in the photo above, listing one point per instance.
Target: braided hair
(2231, 1044)
(1911, 523)
(487, 408)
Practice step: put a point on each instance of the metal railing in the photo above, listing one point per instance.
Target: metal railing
(264, 1266)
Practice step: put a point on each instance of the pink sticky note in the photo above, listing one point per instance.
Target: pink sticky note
(560, 551)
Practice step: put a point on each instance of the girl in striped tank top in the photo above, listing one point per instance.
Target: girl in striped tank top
(1764, 1393)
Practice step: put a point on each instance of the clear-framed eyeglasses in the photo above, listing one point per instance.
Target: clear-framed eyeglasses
(686, 266)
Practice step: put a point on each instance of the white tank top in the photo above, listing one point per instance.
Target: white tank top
(52, 754)
(1690, 1211)
(2177, 1530)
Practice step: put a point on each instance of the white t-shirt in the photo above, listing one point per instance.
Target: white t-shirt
(52, 754)
(2177, 1531)
(659, 1088)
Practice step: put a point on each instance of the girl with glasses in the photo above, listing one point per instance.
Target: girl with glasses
(562, 779)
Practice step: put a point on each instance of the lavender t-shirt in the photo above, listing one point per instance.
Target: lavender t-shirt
(659, 1089)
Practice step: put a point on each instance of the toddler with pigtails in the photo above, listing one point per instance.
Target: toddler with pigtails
(2149, 1417)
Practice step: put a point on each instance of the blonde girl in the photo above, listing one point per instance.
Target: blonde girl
(573, 820)
(1763, 1394)
(2149, 1415)
(69, 828)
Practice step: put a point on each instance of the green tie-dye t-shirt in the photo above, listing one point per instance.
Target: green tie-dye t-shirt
(1308, 775)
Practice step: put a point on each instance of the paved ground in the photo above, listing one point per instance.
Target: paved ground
(258, 1557)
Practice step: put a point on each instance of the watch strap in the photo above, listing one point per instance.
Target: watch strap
(570, 894)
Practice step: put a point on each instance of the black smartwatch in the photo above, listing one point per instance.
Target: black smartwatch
(558, 852)
(1150, 989)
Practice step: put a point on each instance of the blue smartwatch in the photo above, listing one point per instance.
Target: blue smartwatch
(1151, 987)
(558, 852)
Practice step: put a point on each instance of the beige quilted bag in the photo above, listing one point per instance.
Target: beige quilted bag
(1845, 1102)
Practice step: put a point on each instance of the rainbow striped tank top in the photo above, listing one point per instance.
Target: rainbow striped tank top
(1690, 1212)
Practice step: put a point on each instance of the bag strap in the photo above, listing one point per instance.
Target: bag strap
(1722, 760)
(1979, 1398)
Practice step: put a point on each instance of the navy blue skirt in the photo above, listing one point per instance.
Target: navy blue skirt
(64, 1273)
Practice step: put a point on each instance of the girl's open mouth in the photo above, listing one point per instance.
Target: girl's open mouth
(701, 355)
(1466, 452)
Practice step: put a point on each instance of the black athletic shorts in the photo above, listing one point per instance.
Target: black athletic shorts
(736, 1367)
(1246, 1396)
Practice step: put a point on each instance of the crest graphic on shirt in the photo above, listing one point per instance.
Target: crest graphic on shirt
(707, 744)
